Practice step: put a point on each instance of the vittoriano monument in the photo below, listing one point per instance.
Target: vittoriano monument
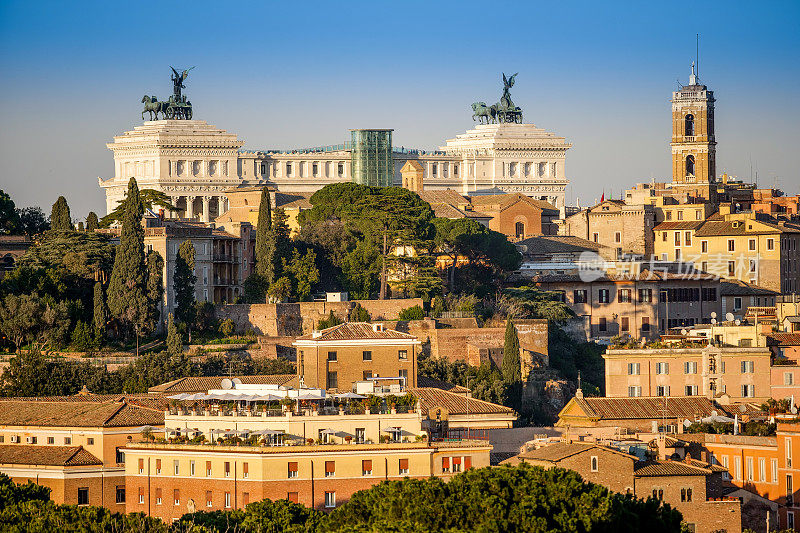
(176, 107)
(502, 112)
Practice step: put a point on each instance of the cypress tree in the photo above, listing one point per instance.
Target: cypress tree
(155, 288)
(127, 288)
(183, 280)
(92, 221)
(100, 312)
(265, 240)
(512, 371)
(60, 219)
(80, 226)
(174, 340)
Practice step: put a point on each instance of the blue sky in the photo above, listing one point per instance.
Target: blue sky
(295, 74)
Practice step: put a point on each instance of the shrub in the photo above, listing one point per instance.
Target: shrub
(412, 313)
(227, 327)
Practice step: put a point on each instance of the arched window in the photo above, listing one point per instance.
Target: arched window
(594, 463)
(688, 127)
(690, 165)
(519, 229)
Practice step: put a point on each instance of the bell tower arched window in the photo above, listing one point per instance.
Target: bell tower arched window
(688, 127)
(690, 165)
(519, 229)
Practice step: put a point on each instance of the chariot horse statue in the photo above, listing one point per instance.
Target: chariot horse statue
(504, 111)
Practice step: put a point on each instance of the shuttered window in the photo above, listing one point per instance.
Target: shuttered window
(292, 470)
(141, 466)
(366, 467)
(330, 468)
(245, 469)
(158, 466)
(467, 463)
(208, 468)
(445, 464)
(292, 497)
(403, 464)
(209, 501)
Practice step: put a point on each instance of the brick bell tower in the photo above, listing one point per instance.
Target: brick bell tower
(693, 143)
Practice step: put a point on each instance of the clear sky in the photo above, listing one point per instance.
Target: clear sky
(294, 74)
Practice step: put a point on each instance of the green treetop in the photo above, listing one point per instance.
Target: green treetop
(91, 221)
(183, 280)
(127, 288)
(149, 198)
(155, 287)
(9, 217)
(174, 340)
(60, 219)
(512, 371)
(100, 314)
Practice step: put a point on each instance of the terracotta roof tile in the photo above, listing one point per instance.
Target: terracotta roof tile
(426, 382)
(77, 414)
(548, 244)
(206, 383)
(736, 287)
(669, 468)
(647, 408)
(20, 454)
(456, 404)
(785, 339)
(693, 224)
(447, 196)
(356, 331)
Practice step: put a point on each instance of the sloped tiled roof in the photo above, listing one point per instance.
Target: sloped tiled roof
(447, 196)
(206, 383)
(646, 408)
(456, 404)
(504, 200)
(426, 382)
(77, 414)
(19, 454)
(737, 287)
(693, 224)
(549, 244)
(721, 228)
(669, 468)
(785, 339)
(355, 331)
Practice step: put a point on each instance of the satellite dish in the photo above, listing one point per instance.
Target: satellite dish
(683, 331)
(793, 409)
(713, 320)
(227, 384)
(743, 408)
(728, 316)
(713, 314)
(713, 412)
(236, 381)
(738, 322)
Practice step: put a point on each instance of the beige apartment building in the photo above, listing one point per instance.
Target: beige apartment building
(741, 373)
(752, 248)
(337, 357)
(73, 445)
(642, 305)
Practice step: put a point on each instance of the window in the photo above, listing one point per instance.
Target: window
(645, 295)
(691, 390)
(227, 499)
(789, 490)
(688, 126)
(788, 378)
(748, 391)
(366, 467)
(176, 467)
(664, 236)
(618, 237)
(245, 470)
(245, 498)
(603, 296)
(624, 296)
(330, 468)
(158, 496)
(677, 238)
(634, 391)
(176, 496)
(333, 357)
(645, 324)
(737, 468)
(191, 468)
(633, 369)
(789, 517)
(361, 435)
(119, 455)
(227, 469)
(403, 466)
(83, 496)
(456, 464)
(340, 169)
(52, 440)
(292, 470)
(774, 465)
(333, 381)
(90, 441)
(403, 373)
(602, 324)
(662, 368)
(662, 390)
(366, 355)
(141, 466)
(686, 495)
(141, 495)
(519, 230)
(330, 500)
(120, 494)
(288, 169)
(752, 265)
(698, 215)
(595, 237)
(731, 245)
(366, 375)
(67, 440)
(770, 244)
(594, 463)
(680, 215)
(208, 468)
(209, 499)
(749, 468)
(579, 296)
(292, 497)
(690, 367)
(668, 215)
(762, 470)
(690, 165)
(402, 355)
(737, 303)
(625, 324)
(445, 464)
(747, 367)
(658, 493)
(704, 247)
(687, 238)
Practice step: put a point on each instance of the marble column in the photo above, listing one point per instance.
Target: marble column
(206, 209)
(190, 207)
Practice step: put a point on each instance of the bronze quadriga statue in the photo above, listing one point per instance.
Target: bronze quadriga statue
(503, 112)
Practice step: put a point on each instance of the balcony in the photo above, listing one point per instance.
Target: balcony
(225, 258)
(224, 282)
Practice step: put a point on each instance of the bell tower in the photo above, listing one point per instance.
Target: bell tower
(693, 143)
